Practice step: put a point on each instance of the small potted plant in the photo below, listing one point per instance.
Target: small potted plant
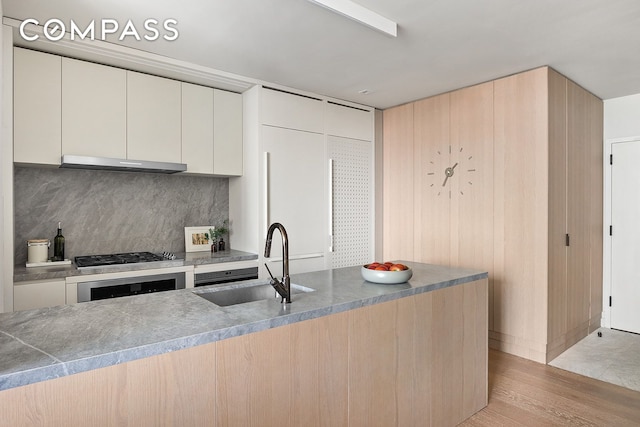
(216, 233)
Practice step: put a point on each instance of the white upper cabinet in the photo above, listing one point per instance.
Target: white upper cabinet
(227, 133)
(94, 109)
(349, 122)
(283, 109)
(211, 131)
(36, 107)
(153, 118)
(197, 128)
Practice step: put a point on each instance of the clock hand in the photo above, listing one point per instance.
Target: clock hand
(448, 172)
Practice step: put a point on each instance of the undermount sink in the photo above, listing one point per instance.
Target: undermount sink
(247, 293)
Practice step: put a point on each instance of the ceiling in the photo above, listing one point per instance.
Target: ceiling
(441, 44)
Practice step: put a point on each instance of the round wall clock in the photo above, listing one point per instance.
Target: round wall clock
(462, 169)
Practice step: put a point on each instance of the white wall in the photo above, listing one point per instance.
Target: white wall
(621, 122)
(622, 117)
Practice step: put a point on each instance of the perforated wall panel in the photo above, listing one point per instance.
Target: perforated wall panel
(353, 204)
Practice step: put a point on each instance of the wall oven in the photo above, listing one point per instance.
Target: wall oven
(112, 288)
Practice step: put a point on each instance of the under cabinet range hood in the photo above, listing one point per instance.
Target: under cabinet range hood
(106, 163)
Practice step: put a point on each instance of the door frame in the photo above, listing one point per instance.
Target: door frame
(606, 250)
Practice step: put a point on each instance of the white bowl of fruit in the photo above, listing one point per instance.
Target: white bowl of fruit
(388, 273)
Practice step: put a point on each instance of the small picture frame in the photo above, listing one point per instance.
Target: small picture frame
(195, 240)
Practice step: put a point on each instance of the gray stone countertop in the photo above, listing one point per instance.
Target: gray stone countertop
(38, 345)
(22, 274)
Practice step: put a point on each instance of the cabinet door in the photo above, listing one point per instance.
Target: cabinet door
(287, 376)
(557, 284)
(197, 128)
(227, 133)
(292, 111)
(153, 118)
(472, 183)
(94, 109)
(37, 124)
(578, 203)
(398, 183)
(521, 206)
(38, 294)
(349, 122)
(596, 134)
(296, 193)
(431, 158)
(351, 201)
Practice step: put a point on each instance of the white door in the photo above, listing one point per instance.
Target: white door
(625, 239)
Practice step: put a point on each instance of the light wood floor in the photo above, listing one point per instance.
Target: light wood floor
(525, 393)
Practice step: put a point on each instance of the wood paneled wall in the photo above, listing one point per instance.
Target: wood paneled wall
(398, 155)
(521, 214)
(536, 143)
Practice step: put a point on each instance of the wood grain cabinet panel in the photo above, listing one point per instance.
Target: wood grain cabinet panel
(172, 389)
(415, 361)
(398, 181)
(557, 222)
(422, 373)
(596, 226)
(526, 157)
(472, 185)
(290, 376)
(544, 245)
(432, 198)
(521, 209)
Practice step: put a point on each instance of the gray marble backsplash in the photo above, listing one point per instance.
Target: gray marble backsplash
(110, 212)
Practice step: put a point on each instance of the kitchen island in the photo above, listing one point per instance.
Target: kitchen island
(349, 353)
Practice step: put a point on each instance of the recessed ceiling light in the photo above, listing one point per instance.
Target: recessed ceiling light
(364, 92)
(361, 14)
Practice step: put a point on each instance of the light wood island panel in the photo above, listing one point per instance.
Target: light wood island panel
(431, 375)
(419, 360)
(172, 389)
(294, 375)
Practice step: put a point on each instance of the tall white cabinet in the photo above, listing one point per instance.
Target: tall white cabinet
(308, 165)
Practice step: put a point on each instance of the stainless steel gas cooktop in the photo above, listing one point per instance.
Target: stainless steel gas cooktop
(87, 261)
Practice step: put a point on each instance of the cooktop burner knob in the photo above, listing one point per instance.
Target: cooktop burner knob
(168, 255)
